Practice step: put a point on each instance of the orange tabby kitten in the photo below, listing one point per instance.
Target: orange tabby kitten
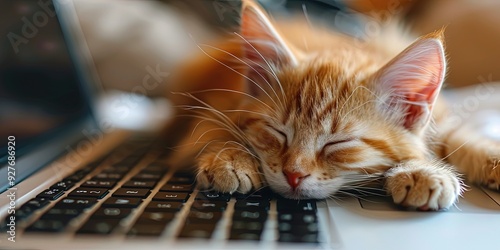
(307, 112)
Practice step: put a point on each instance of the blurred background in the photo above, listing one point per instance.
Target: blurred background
(130, 39)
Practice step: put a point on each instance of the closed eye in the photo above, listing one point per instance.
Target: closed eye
(338, 142)
(278, 133)
(337, 145)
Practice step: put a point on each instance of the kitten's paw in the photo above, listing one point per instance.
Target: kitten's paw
(427, 187)
(492, 179)
(228, 170)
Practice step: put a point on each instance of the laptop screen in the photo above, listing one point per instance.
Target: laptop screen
(40, 91)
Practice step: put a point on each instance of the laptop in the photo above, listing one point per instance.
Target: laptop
(70, 181)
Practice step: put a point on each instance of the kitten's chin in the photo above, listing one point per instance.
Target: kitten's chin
(304, 194)
(308, 189)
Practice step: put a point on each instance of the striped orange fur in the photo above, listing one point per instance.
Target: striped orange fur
(308, 112)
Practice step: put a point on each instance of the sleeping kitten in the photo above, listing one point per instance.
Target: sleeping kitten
(307, 112)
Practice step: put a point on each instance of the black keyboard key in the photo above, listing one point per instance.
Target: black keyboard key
(247, 226)
(171, 196)
(76, 202)
(177, 188)
(296, 205)
(51, 194)
(63, 185)
(163, 206)
(97, 193)
(185, 172)
(98, 226)
(243, 235)
(197, 231)
(297, 218)
(97, 183)
(264, 194)
(139, 184)
(250, 215)
(85, 170)
(23, 212)
(152, 171)
(122, 202)
(146, 230)
(249, 205)
(198, 217)
(289, 227)
(68, 182)
(112, 213)
(147, 177)
(213, 196)
(304, 238)
(156, 167)
(29, 208)
(132, 192)
(37, 203)
(208, 206)
(47, 226)
(181, 180)
(61, 213)
(157, 218)
(108, 176)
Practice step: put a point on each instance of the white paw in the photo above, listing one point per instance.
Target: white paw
(423, 186)
(228, 170)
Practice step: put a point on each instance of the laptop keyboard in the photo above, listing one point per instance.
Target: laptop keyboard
(117, 195)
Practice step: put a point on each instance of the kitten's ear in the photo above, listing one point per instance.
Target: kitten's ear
(411, 82)
(264, 49)
(262, 41)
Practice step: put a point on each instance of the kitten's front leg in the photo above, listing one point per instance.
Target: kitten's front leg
(228, 167)
(422, 184)
(475, 156)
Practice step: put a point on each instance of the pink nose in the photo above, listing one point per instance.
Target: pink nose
(294, 178)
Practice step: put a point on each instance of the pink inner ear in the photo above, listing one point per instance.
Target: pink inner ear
(414, 78)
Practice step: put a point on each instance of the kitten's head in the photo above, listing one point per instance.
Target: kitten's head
(325, 121)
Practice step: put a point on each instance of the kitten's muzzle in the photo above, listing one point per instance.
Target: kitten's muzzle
(294, 178)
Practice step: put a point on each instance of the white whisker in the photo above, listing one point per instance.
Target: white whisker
(268, 64)
(250, 112)
(219, 114)
(237, 92)
(251, 67)
(463, 144)
(204, 147)
(244, 76)
(306, 15)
